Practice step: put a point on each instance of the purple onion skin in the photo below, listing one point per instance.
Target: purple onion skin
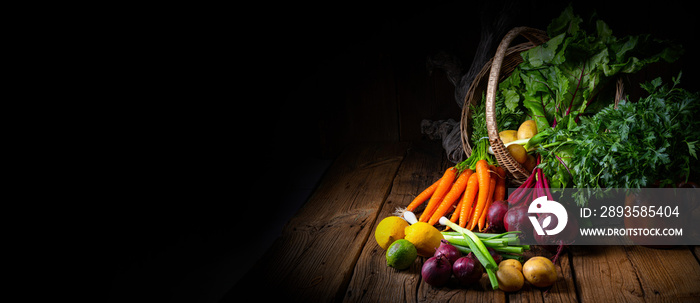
(494, 254)
(448, 250)
(467, 270)
(495, 216)
(436, 271)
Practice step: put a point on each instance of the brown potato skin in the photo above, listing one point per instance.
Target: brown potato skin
(530, 163)
(527, 130)
(518, 152)
(540, 272)
(508, 136)
(509, 278)
(512, 262)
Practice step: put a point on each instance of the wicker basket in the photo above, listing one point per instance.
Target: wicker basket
(498, 69)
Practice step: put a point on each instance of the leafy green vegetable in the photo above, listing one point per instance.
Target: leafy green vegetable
(509, 115)
(560, 79)
(651, 142)
(585, 142)
(506, 118)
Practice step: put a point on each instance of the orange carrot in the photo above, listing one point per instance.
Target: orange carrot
(482, 171)
(489, 200)
(500, 193)
(456, 212)
(440, 192)
(423, 196)
(452, 196)
(468, 200)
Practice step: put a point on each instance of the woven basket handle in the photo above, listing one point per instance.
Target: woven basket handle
(537, 37)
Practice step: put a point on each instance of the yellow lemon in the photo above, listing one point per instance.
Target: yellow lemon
(389, 230)
(425, 237)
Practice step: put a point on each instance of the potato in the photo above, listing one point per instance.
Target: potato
(509, 278)
(527, 129)
(511, 262)
(540, 272)
(518, 152)
(508, 136)
(530, 163)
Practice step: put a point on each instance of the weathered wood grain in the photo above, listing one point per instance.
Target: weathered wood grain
(671, 275)
(636, 273)
(563, 290)
(373, 280)
(478, 292)
(327, 252)
(313, 259)
(605, 274)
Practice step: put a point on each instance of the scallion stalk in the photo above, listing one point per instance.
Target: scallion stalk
(501, 250)
(477, 247)
(505, 241)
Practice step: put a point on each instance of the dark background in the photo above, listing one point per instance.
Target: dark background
(287, 87)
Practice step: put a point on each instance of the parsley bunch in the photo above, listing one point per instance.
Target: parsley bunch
(651, 142)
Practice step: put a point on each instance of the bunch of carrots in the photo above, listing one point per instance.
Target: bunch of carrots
(467, 192)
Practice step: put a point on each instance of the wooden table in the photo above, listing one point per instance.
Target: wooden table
(327, 252)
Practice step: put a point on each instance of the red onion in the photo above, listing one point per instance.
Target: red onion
(467, 270)
(436, 271)
(495, 215)
(496, 257)
(448, 250)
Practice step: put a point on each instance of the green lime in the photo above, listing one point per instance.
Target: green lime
(401, 254)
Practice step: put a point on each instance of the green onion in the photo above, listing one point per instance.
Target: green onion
(488, 242)
(506, 244)
(502, 250)
(477, 247)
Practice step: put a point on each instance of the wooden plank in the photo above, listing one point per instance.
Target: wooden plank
(605, 274)
(478, 292)
(563, 290)
(312, 260)
(636, 273)
(372, 280)
(666, 274)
